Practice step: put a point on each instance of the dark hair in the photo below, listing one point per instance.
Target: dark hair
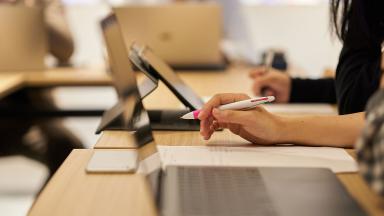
(340, 11)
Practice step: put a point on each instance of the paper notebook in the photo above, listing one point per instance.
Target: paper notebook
(336, 159)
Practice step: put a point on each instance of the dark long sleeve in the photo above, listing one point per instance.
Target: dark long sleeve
(313, 91)
(358, 77)
(358, 72)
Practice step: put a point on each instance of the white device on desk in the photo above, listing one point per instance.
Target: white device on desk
(23, 40)
(224, 191)
(187, 36)
(113, 161)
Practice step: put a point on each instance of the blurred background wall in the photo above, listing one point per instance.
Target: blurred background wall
(302, 30)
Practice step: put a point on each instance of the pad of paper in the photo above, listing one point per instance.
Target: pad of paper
(335, 159)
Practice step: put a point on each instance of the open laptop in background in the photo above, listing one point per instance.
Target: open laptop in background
(202, 191)
(186, 36)
(23, 43)
(238, 43)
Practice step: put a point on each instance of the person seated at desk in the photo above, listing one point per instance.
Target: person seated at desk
(358, 71)
(361, 29)
(45, 140)
(60, 42)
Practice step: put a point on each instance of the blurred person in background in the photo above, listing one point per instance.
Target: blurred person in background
(45, 140)
(360, 25)
(60, 41)
(358, 71)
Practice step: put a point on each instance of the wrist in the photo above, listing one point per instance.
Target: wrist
(286, 130)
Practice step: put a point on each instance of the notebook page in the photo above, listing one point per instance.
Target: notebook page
(336, 159)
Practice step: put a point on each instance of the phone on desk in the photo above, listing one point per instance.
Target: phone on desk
(113, 161)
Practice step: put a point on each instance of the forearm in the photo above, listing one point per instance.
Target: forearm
(336, 131)
(313, 91)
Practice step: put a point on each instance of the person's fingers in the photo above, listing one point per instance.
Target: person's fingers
(261, 83)
(231, 116)
(211, 130)
(205, 127)
(210, 133)
(218, 100)
(234, 128)
(216, 125)
(259, 71)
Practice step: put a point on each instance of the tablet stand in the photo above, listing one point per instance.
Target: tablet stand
(160, 119)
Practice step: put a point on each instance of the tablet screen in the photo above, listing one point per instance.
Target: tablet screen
(158, 68)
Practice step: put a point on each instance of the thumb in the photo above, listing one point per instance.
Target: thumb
(230, 116)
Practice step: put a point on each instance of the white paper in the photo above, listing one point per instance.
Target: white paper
(335, 159)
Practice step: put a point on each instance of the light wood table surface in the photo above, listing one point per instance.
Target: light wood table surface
(10, 83)
(74, 192)
(71, 185)
(13, 81)
(67, 77)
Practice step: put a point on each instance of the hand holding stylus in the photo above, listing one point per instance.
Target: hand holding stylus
(238, 105)
(256, 125)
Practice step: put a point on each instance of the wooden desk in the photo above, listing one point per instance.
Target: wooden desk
(10, 83)
(73, 192)
(67, 77)
(13, 81)
(67, 190)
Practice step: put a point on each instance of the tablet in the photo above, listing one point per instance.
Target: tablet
(153, 66)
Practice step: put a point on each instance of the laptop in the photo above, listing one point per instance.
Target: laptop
(187, 36)
(222, 191)
(23, 38)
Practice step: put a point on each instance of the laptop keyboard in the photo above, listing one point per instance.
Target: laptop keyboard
(223, 191)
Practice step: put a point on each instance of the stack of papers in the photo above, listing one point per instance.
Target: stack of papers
(336, 159)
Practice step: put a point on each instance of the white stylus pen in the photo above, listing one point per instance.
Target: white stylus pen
(239, 105)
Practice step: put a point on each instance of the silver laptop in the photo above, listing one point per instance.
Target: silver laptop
(223, 191)
(187, 36)
(23, 38)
